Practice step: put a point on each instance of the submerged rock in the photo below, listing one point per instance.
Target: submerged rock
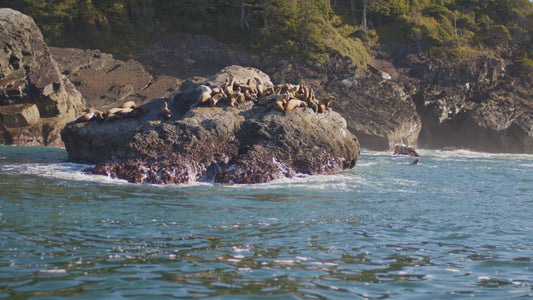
(405, 150)
(248, 143)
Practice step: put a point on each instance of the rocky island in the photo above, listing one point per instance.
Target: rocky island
(179, 140)
(165, 118)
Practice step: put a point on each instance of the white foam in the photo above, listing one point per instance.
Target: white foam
(63, 171)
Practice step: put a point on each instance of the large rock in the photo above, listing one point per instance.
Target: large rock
(453, 118)
(477, 105)
(379, 110)
(105, 82)
(245, 144)
(30, 75)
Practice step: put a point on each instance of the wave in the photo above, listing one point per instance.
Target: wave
(372, 168)
(57, 170)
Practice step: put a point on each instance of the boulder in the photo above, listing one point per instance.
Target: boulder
(248, 143)
(19, 115)
(405, 150)
(29, 79)
(105, 81)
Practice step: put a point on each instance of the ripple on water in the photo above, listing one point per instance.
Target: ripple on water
(454, 226)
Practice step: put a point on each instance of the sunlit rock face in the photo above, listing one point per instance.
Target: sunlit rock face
(32, 89)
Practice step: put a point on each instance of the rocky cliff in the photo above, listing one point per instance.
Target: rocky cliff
(36, 100)
(481, 103)
(182, 140)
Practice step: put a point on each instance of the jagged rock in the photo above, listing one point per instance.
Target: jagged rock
(245, 144)
(378, 110)
(19, 115)
(30, 75)
(405, 150)
(452, 118)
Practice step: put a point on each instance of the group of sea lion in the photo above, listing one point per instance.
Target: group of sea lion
(285, 97)
(127, 110)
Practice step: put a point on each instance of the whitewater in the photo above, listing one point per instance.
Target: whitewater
(455, 226)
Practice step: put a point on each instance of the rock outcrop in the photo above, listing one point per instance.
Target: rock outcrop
(403, 98)
(477, 105)
(249, 143)
(105, 81)
(36, 100)
(379, 110)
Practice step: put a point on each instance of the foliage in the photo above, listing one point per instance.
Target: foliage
(307, 30)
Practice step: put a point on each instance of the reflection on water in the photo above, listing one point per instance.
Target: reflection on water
(457, 225)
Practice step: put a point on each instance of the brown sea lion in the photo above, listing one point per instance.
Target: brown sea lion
(228, 86)
(279, 105)
(323, 104)
(260, 86)
(294, 103)
(216, 98)
(118, 113)
(86, 117)
(165, 112)
(129, 104)
(205, 94)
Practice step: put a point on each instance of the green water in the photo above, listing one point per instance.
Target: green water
(456, 226)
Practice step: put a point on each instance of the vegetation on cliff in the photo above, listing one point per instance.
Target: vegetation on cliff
(307, 30)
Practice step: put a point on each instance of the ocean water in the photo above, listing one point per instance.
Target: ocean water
(458, 225)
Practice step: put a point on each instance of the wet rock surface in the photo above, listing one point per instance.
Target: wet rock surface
(248, 143)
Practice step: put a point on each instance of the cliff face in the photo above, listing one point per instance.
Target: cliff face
(479, 105)
(482, 104)
(36, 100)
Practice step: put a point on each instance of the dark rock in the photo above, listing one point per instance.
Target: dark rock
(29, 78)
(405, 150)
(403, 98)
(491, 115)
(378, 110)
(245, 144)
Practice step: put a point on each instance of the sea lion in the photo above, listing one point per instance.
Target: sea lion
(260, 86)
(117, 113)
(228, 86)
(216, 98)
(233, 98)
(248, 96)
(86, 117)
(294, 103)
(323, 104)
(205, 94)
(129, 104)
(279, 105)
(270, 98)
(247, 87)
(216, 90)
(165, 112)
(313, 104)
(99, 116)
(241, 97)
(268, 92)
(415, 162)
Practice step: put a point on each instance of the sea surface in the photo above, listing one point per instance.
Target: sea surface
(459, 225)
